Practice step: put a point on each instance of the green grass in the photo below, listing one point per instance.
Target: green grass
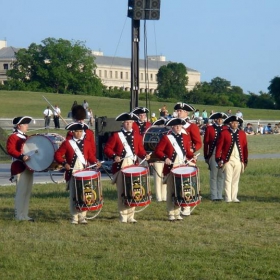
(33, 104)
(218, 241)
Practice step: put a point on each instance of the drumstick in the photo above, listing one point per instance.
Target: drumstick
(192, 159)
(54, 109)
(144, 159)
(31, 153)
(86, 166)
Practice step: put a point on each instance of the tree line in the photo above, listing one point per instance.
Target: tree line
(63, 66)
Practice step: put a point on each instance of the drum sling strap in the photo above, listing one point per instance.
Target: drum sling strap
(177, 148)
(77, 151)
(127, 148)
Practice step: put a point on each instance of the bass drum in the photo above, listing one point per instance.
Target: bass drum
(41, 149)
(152, 136)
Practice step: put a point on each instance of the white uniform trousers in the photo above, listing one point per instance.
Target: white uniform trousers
(216, 179)
(232, 170)
(172, 209)
(126, 212)
(160, 187)
(23, 193)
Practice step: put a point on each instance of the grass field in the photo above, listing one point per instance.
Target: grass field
(218, 241)
(33, 104)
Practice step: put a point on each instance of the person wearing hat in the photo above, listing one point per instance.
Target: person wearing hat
(193, 132)
(123, 148)
(141, 124)
(24, 177)
(75, 154)
(211, 136)
(174, 149)
(79, 115)
(232, 156)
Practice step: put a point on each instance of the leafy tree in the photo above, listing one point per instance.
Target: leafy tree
(56, 65)
(219, 85)
(261, 101)
(172, 81)
(274, 90)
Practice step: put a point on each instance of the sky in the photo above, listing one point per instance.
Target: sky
(237, 40)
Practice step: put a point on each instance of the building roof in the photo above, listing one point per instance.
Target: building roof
(8, 52)
(126, 62)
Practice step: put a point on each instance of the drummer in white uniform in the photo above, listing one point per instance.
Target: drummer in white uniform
(24, 177)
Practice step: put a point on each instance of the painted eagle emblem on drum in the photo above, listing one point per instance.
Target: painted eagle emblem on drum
(138, 191)
(188, 192)
(89, 195)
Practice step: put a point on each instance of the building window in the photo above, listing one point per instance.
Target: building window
(100, 73)
(151, 77)
(126, 75)
(105, 73)
(111, 74)
(116, 74)
(6, 66)
(121, 75)
(141, 76)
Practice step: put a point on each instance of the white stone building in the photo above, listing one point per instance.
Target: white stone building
(113, 71)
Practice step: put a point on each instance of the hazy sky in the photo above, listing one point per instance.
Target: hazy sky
(237, 40)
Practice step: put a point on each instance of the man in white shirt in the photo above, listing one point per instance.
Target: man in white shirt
(56, 115)
(47, 115)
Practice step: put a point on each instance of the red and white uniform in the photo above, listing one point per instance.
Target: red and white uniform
(114, 147)
(141, 127)
(24, 175)
(194, 133)
(232, 149)
(211, 136)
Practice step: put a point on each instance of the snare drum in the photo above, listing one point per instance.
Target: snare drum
(187, 186)
(41, 149)
(136, 186)
(88, 190)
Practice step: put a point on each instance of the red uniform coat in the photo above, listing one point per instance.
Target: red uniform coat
(114, 147)
(88, 137)
(141, 128)
(65, 154)
(165, 149)
(194, 133)
(210, 139)
(225, 145)
(14, 149)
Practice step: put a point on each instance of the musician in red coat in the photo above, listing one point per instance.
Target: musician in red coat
(192, 130)
(24, 181)
(174, 149)
(211, 136)
(232, 156)
(141, 125)
(123, 147)
(79, 115)
(75, 154)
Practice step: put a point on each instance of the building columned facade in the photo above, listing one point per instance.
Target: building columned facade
(114, 72)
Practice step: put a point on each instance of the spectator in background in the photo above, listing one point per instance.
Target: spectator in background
(153, 118)
(276, 129)
(249, 129)
(163, 112)
(90, 117)
(259, 129)
(229, 113)
(239, 114)
(196, 114)
(56, 115)
(204, 116)
(47, 116)
(267, 129)
(85, 105)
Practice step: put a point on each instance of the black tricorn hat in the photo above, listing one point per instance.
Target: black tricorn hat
(22, 120)
(140, 110)
(218, 115)
(233, 119)
(79, 112)
(175, 121)
(184, 106)
(127, 117)
(76, 126)
(160, 121)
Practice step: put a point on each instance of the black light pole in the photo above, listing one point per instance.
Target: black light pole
(134, 83)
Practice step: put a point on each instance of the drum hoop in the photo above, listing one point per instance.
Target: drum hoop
(129, 174)
(193, 173)
(88, 177)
